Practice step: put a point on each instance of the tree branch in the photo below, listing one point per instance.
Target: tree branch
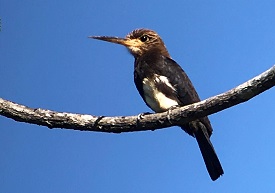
(178, 116)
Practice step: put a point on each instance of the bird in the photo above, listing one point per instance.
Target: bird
(164, 85)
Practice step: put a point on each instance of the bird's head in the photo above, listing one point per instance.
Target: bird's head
(139, 42)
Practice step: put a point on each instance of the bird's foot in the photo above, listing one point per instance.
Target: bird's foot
(169, 112)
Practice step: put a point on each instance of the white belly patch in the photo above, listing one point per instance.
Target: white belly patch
(155, 98)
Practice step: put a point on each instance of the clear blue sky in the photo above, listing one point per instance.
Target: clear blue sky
(47, 61)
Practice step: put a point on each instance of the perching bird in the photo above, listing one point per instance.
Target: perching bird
(163, 84)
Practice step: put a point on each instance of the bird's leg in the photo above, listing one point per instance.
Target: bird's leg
(169, 112)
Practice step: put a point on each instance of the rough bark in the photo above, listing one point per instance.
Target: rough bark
(52, 119)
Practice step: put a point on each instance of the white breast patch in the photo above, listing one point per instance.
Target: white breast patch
(155, 98)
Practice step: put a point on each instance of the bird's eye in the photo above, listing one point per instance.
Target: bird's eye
(144, 38)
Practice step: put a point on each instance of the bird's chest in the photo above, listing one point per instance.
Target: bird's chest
(158, 92)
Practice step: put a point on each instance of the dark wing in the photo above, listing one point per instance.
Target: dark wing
(186, 92)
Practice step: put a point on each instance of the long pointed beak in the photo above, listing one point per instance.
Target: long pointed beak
(116, 40)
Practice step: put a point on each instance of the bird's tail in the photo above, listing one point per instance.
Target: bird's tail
(209, 155)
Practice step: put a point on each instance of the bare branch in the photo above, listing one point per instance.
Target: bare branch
(178, 116)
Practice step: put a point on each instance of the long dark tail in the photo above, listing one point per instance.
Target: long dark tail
(209, 155)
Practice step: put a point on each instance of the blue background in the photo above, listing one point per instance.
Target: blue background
(47, 61)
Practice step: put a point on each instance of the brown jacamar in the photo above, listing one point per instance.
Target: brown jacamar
(163, 84)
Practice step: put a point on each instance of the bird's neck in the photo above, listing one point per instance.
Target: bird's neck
(162, 51)
(154, 52)
(151, 56)
(165, 53)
